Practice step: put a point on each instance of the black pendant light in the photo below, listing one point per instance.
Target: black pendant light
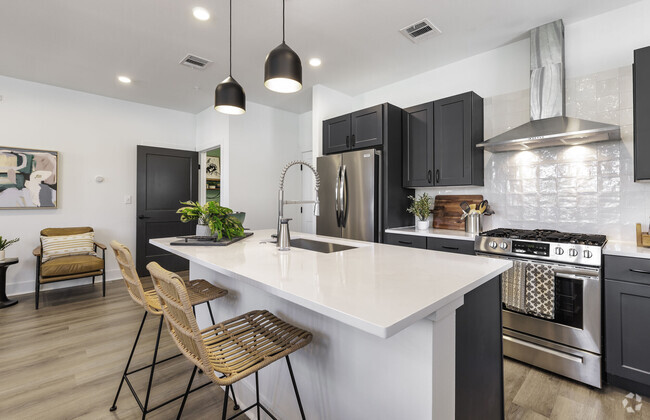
(282, 68)
(229, 96)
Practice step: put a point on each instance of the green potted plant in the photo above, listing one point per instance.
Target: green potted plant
(212, 219)
(4, 244)
(420, 208)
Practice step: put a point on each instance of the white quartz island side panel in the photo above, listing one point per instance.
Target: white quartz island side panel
(383, 319)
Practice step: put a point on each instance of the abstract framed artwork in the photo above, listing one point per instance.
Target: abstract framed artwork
(28, 178)
(213, 167)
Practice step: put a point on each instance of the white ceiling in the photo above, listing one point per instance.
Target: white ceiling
(85, 44)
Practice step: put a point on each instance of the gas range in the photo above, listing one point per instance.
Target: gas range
(548, 245)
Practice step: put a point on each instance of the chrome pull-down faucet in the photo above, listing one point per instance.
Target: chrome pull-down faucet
(282, 201)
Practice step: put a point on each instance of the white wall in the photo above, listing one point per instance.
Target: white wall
(212, 130)
(94, 135)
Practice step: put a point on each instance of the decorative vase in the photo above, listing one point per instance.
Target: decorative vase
(2, 255)
(203, 230)
(422, 224)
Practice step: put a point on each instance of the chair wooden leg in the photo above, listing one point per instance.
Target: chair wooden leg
(37, 289)
(103, 282)
(93, 279)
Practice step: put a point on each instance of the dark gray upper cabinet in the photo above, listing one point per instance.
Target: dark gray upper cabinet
(440, 141)
(458, 127)
(358, 130)
(641, 110)
(627, 331)
(336, 134)
(417, 140)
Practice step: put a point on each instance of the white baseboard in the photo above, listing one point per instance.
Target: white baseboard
(27, 287)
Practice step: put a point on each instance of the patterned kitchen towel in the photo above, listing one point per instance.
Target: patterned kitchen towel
(513, 287)
(540, 290)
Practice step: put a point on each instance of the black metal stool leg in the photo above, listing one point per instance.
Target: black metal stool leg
(187, 392)
(295, 388)
(153, 367)
(225, 403)
(257, 393)
(210, 310)
(234, 399)
(126, 369)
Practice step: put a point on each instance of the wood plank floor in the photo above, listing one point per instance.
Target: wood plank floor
(64, 361)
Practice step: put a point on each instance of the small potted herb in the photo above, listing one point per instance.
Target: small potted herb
(420, 208)
(4, 244)
(213, 219)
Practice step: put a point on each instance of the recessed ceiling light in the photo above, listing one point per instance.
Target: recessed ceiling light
(200, 13)
(314, 62)
(124, 79)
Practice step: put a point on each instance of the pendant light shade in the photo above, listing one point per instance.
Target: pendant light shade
(282, 68)
(229, 96)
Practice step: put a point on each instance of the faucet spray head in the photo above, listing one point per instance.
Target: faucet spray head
(317, 207)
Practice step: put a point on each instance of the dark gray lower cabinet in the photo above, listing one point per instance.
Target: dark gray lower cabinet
(627, 331)
(411, 241)
(451, 245)
(479, 354)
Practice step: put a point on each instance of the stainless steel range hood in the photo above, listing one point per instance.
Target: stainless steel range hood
(548, 124)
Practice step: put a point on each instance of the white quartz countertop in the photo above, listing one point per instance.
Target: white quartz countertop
(434, 233)
(626, 249)
(378, 288)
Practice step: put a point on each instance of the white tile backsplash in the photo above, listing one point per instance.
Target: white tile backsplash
(586, 188)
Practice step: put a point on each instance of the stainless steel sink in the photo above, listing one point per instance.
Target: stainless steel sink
(318, 246)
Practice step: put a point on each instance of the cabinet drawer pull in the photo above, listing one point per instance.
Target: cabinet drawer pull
(405, 242)
(429, 176)
(450, 247)
(347, 141)
(437, 175)
(354, 138)
(634, 270)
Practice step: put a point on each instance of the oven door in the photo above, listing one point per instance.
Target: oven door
(577, 320)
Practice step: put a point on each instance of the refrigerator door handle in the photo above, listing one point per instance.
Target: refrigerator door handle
(337, 195)
(344, 196)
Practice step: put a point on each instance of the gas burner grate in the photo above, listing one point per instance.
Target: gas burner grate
(546, 235)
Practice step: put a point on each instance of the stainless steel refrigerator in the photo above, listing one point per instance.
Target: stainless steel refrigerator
(350, 195)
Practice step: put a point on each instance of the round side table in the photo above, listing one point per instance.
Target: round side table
(4, 301)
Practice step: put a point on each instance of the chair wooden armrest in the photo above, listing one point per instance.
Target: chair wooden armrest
(37, 251)
(102, 246)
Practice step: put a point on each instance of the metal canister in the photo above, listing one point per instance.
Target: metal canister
(474, 223)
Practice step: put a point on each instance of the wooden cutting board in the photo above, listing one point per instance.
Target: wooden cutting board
(447, 211)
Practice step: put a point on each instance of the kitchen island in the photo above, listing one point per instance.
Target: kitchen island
(383, 319)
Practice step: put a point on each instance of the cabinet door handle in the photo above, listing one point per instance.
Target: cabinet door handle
(405, 242)
(634, 270)
(437, 175)
(450, 248)
(347, 141)
(354, 139)
(429, 176)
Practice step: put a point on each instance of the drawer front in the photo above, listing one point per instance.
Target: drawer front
(406, 240)
(451, 245)
(635, 270)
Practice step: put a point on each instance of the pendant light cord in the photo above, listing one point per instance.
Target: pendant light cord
(230, 40)
(282, 21)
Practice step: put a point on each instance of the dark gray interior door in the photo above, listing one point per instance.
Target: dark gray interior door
(165, 177)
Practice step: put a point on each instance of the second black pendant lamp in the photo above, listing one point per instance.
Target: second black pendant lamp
(282, 68)
(229, 96)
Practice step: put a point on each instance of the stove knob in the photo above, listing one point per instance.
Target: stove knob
(573, 252)
(587, 253)
(493, 244)
(559, 251)
(504, 245)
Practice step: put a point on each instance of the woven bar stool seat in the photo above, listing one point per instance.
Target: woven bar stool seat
(235, 348)
(199, 292)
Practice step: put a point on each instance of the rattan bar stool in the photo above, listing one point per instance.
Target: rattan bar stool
(199, 291)
(234, 348)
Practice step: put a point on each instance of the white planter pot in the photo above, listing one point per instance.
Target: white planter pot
(421, 224)
(203, 230)
(2, 255)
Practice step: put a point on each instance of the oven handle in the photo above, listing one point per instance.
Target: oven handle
(563, 270)
(576, 276)
(544, 349)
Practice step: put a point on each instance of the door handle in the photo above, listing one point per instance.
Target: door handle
(405, 242)
(451, 248)
(437, 175)
(344, 196)
(337, 200)
(429, 176)
(354, 138)
(634, 270)
(142, 216)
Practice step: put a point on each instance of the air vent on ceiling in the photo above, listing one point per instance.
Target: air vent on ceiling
(420, 30)
(195, 62)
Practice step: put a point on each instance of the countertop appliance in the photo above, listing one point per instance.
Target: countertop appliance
(351, 195)
(568, 342)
